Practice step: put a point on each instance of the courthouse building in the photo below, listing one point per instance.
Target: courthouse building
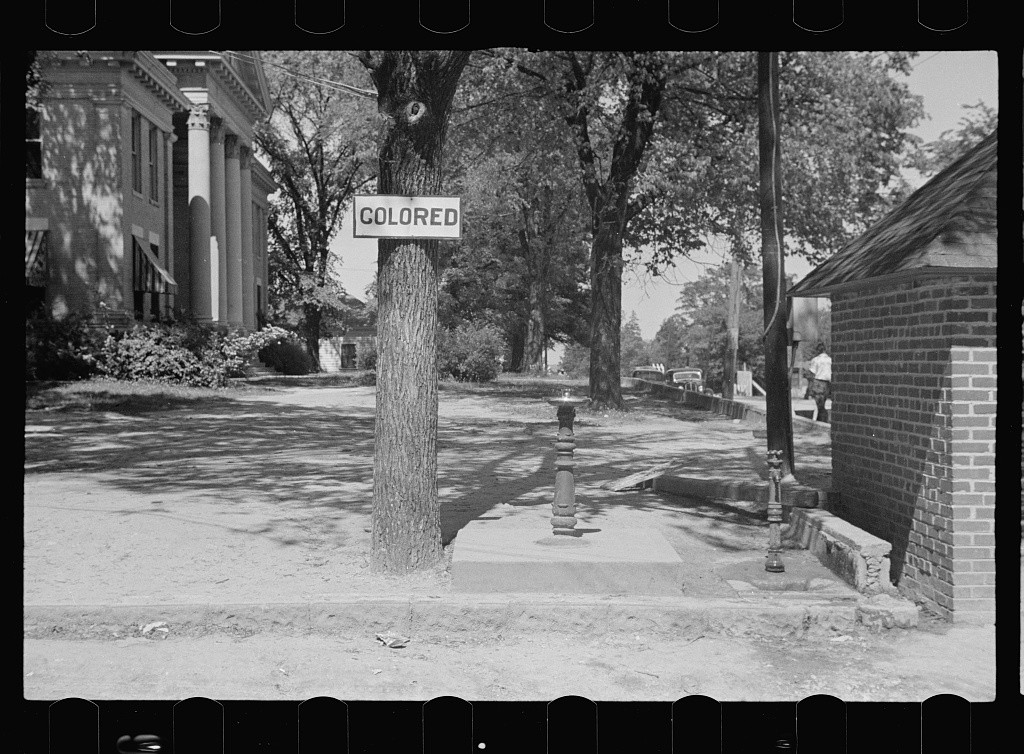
(143, 200)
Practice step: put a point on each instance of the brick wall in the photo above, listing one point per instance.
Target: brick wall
(86, 190)
(913, 432)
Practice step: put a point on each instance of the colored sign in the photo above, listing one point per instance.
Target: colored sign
(386, 216)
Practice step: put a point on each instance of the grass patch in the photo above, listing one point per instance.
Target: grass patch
(101, 394)
(321, 379)
(513, 385)
(113, 395)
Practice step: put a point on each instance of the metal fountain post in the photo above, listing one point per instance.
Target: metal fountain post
(563, 508)
(774, 562)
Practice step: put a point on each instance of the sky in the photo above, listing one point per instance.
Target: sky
(948, 80)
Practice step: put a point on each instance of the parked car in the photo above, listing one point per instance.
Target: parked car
(689, 378)
(649, 373)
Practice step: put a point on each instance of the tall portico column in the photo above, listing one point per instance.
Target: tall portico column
(168, 189)
(248, 281)
(199, 211)
(233, 203)
(218, 250)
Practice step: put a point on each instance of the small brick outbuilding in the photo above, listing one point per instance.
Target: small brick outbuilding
(914, 382)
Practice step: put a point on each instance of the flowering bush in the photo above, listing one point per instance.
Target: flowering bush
(238, 349)
(182, 354)
(470, 353)
(154, 353)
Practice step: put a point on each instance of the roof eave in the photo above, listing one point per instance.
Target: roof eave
(823, 290)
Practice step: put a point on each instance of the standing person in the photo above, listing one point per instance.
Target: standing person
(820, 372)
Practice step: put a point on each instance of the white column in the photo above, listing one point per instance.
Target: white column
(233, 204)
(218, 221)
(248, 277)
(199, 212)
(169, 201)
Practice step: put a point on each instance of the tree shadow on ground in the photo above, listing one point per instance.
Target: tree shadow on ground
(313, 459)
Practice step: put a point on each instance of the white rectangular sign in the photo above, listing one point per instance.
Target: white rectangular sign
(387, 216)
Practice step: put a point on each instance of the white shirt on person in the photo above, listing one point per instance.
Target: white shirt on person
(821, 367)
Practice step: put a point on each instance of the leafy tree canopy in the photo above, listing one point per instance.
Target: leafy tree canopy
(320, 143)
(844, 136)
(979, 121)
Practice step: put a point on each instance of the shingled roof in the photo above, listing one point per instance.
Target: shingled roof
(947, 224)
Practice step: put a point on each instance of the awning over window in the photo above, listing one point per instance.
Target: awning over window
(35, 257)
(149, 274)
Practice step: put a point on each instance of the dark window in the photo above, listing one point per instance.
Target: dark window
(136, 152)
(33, 145)
(348, 356)
(154, 164)
(35, 300)
(35, 271)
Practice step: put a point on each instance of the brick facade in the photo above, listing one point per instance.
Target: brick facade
(913, 432)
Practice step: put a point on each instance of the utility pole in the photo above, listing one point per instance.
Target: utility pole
(777, 399)
(733, 327)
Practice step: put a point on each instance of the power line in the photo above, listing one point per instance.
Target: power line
(335, 85)
(922, 62)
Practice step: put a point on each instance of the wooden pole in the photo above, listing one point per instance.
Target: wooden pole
(733, 325)
(778, 408)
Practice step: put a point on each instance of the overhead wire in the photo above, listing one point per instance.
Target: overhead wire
(320, 81)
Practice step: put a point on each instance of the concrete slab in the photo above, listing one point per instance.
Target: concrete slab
(506, 558)
(803, 574)
(793, 493)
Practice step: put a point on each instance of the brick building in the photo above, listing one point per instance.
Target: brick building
(914, 382)
(142, 199)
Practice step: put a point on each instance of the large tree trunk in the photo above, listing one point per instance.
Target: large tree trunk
(534, 346)
(313, 317)
(606, 312)
(516, 345)
(778, 402)
(609, 205)
(733, 328)
(414, 90)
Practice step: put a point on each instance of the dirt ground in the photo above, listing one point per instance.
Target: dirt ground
(263, 495)
(854, 666)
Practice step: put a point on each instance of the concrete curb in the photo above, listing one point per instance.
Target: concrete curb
(796, 495)
(723, 406)
(859, 557)
(761, 613)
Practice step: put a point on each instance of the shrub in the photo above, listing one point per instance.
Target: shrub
(237, 350)
(188, 354)
(59, 348)
(470, 353)
(287, 356)
(159, 353)
(367, 378)
(366, 354)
